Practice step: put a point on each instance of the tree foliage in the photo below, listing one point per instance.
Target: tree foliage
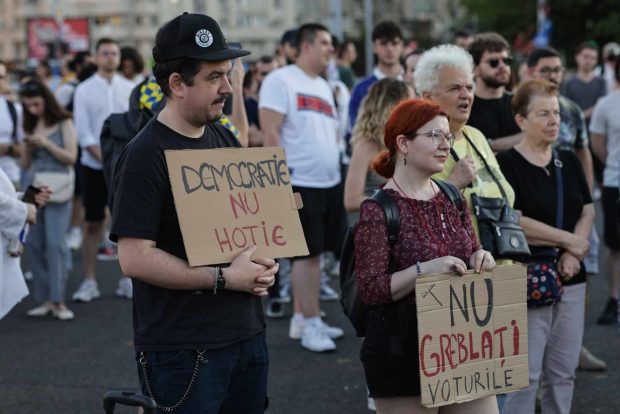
(573, 20)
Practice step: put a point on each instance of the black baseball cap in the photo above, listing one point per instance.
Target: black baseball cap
(193, 36)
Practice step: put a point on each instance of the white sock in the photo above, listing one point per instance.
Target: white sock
(298, 317)
(313, 321)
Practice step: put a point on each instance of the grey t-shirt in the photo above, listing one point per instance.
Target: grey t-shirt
(585, 94)
(605, 121)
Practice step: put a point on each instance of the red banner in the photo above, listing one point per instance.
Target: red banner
(48, 39)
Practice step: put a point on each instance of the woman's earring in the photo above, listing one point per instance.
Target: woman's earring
(405, 159)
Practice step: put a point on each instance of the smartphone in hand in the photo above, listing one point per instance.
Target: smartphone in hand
(29, 195)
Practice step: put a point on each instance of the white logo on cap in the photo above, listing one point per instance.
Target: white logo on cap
(204, 38)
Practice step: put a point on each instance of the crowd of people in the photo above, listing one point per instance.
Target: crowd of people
(86, 150)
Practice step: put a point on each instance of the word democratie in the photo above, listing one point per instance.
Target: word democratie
(243, 175)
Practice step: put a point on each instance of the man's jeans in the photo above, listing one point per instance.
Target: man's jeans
(229, 380)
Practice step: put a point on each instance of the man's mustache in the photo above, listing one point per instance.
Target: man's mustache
(222, 99)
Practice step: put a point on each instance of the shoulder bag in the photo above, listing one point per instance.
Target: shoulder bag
(498, 223)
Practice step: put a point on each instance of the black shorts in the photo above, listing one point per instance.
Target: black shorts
(323, 218)
(389, 355)
(79, 181)
(95, 195)
(610, 214)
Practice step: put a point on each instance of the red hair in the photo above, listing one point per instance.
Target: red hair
(406, 118)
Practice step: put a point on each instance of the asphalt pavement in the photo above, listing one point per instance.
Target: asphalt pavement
(53, 367)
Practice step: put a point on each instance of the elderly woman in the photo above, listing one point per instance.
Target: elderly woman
(367, 141)
(444, 75)
(535, 171)
(433, 237)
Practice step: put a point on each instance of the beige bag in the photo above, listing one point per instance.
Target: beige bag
(62, 184)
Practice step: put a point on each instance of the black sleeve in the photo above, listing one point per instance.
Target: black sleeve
(138, 203)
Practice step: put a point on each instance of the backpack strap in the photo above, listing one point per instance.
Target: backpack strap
(392, 217)
(13, 113)
(453, 194)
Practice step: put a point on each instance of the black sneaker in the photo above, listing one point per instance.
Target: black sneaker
(274, 309)
(610, 314)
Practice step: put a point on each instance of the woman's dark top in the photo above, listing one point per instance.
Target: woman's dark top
(536, 192)
(421, 238)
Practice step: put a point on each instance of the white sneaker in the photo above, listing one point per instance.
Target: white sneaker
(327, 294)
(74, 238)
(315, 339)
(87, 291)
(296, 330)
(125, 288)
(63, 314)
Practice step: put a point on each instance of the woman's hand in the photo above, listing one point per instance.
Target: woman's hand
(481, 260)
(576, 245)
(568, 266)
(42, 196)
(35, 141)
(445, 264)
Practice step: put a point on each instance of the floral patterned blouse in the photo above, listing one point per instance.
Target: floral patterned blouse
(428, 229)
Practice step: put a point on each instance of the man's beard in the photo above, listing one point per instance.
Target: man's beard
(492, 82)
(204, 118)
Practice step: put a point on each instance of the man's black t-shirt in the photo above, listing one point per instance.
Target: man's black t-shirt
(536, 192)
(493, 117)
(166, 319)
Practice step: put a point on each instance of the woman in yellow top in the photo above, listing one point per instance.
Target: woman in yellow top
(444, 74)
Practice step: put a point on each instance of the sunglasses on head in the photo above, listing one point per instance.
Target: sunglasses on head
(495, 62)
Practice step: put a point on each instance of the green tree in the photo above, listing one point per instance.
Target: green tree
(577, 20)
(573, 20)
(505, 17)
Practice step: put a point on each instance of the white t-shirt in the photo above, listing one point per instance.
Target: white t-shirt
(605, 121)
(308, 133)
(9, 164)
(95, 99)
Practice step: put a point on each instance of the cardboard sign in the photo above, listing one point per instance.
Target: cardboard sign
(472, 334)
(233, 198)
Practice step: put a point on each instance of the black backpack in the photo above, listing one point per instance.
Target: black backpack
(356, 310)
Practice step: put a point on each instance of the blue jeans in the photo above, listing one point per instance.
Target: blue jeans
(229, 380)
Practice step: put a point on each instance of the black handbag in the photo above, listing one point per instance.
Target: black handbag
(498, 223)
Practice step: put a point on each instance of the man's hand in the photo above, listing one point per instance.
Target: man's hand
(464, 172)
(246, 275)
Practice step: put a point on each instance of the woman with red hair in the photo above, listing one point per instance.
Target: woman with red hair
(434, 237)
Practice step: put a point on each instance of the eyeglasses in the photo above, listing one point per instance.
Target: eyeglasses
(546, 70)
(436, 135)
(495, 62)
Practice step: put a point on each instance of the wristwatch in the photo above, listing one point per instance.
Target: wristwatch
(220, 280)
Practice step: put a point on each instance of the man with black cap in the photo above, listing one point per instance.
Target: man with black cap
(199, 332)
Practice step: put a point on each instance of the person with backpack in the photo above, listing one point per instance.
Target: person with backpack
(435, 236)
(11, 134)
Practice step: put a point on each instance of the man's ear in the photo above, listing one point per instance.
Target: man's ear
(176, 85)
